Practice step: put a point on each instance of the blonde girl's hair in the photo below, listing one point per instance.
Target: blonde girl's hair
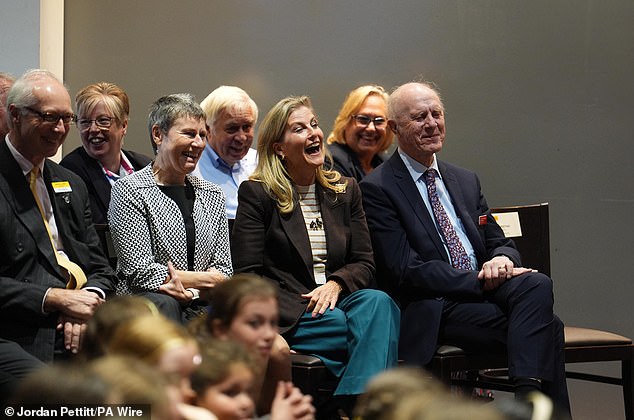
(148, 337)
(108, 317)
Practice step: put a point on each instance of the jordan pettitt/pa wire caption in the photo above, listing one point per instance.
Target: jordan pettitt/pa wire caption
(77, 411)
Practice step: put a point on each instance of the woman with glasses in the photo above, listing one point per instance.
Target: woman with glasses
(360, 134)
(102, 121)
(169, 228)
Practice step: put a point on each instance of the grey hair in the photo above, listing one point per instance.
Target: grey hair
(8, 80)
(167, 109)
(21, 93)
(227, 98)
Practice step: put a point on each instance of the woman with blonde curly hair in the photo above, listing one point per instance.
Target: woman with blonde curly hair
(302, 227)
(360, 133)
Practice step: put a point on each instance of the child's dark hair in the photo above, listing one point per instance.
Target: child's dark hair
(218, 358)
(226, 298)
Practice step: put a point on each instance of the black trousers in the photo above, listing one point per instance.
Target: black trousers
(15, 364)
(517, 317)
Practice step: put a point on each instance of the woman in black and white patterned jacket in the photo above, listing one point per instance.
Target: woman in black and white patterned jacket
(169, 229)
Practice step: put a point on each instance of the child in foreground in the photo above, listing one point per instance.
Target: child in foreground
(244, 309)
(224, 382)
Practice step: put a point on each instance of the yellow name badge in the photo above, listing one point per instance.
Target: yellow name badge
(61, 187)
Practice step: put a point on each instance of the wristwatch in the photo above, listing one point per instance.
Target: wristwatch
(195, 293)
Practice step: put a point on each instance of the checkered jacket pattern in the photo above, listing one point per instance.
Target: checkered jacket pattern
(148, 231)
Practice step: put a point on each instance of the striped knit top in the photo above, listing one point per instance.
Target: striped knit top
(315, 227)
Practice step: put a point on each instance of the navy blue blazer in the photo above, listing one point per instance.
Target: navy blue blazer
(412, 264)
(346, 162)
(28, 266)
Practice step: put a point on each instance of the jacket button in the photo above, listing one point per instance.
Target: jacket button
(19, 247)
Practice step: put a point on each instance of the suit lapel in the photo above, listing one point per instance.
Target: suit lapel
(295, 229)
(60, 201)
(19, 196)
(411, 194)
(101, 185)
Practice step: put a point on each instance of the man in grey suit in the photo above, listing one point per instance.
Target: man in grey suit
(45, 225)
(442, 256)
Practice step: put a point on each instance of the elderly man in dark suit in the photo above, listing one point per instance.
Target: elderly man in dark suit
(53, 273)
(441, 254)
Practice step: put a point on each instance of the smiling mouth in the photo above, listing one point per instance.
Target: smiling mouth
(96, 140)
(237, 148)
(313, 149)
(367, 139)
(434, 136)
(191, 155)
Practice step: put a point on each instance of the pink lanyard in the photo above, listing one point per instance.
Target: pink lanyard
(125, 167)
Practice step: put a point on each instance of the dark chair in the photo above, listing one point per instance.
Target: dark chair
(583, 345)
(311, 376)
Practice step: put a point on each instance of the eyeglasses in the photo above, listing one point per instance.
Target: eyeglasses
(51, 118)
(101, 122)
(365, 121)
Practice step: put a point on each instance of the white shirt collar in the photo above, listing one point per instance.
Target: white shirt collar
(415, 168)
(23, 162)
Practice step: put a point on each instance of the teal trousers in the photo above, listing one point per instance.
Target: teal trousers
(356, 340)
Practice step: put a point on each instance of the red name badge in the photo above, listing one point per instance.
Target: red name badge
(482, 220)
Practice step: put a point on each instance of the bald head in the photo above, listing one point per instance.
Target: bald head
(403, 94)
(34, 101)
(417, 117)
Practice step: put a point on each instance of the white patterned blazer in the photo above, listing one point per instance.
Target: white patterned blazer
(148, 231)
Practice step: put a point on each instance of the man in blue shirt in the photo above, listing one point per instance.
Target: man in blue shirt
(228, 158)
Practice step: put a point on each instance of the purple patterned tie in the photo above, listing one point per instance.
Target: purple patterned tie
(459, 258)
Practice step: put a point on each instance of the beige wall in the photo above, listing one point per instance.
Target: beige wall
(539, 97)
(19, 35)
(32, 36)
(52, 43)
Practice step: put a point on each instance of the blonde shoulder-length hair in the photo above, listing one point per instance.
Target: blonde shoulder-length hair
(271, 169)
(350, 107)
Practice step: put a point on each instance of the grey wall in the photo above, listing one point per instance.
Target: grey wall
(19, 35)
(539, 98)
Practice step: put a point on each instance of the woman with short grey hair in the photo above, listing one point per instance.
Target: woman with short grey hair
(169, 228)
